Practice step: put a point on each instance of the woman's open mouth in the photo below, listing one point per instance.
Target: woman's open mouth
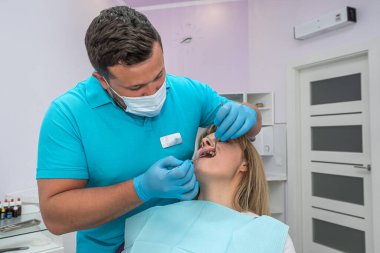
(207, 152)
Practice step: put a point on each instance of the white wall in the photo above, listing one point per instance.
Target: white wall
(272, 45)
(42, 55)
(218, 52)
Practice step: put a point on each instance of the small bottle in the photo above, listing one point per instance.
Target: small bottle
(12, 206)
(8, 210)
(2, 211)
(15, 211)
(5, 206)
(18, 203)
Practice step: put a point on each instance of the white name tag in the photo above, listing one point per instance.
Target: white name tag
(171, 140)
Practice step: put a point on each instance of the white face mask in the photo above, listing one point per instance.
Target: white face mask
(147, 106)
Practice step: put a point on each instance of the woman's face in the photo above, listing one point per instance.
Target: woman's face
(227, 163)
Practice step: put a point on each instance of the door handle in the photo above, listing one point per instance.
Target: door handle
(368, 167)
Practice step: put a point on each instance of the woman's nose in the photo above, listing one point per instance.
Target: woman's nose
(206, 142)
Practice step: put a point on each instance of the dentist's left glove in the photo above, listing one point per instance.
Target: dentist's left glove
(167, 178)
(233, 120)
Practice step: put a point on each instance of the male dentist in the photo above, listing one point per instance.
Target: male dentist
(121, 141)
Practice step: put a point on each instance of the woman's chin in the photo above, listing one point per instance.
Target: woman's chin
(202, 165)
(205, 174)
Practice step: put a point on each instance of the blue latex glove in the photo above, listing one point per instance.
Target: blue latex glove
(167, 178)
(234, 120)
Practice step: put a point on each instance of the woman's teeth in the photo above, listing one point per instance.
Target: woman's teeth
(212, 153)
(208, 154)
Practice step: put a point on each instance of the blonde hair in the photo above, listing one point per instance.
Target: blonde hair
(252, 192)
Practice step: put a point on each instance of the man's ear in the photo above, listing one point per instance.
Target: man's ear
(100, 78)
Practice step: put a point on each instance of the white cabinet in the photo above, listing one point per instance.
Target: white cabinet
(276, 172)
(277, 198)
(264, 141)
(271, 145)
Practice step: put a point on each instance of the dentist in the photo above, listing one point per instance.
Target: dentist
(120, 141)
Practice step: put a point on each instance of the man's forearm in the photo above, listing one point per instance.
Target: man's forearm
(256, 128)
(85, 208)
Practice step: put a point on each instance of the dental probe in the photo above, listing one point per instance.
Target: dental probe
(216, 142)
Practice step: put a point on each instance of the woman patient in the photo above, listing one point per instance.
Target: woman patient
(229, 214)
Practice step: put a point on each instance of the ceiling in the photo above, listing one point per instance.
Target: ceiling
(139, 3)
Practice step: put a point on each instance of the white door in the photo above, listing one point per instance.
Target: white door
(336, 162)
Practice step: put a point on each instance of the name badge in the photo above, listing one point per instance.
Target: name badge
(171, 140)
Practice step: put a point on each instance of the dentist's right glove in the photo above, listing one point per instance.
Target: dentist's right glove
(167, 178)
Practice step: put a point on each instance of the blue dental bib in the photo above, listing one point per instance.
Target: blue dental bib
(202, 226)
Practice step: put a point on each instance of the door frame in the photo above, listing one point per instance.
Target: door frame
(294, 194)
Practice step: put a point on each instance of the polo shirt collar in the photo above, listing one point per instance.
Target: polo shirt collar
(168, 83)
(96, 95)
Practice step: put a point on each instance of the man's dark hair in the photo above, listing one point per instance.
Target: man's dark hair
(119, 35)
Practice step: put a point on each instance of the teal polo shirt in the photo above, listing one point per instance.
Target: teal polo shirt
(85, 135)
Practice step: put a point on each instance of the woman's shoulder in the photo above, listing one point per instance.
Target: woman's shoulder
(251, 214)
(289, 247)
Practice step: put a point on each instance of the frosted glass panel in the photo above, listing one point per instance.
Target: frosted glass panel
(337, 138)
(338, 237)
(335, 187)
(336, 90)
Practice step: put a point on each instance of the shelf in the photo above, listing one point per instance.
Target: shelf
(40, 242)
(266, 99)
(28, 230)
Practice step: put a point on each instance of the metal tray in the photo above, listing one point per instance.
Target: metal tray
(20, 225)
